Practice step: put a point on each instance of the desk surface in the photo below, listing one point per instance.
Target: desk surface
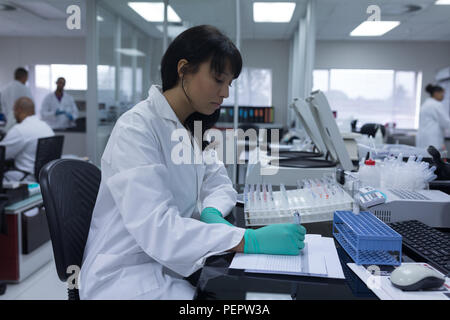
(216, 281)
(24, 204)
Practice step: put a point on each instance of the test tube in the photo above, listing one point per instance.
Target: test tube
(258, 196)
(246, 198)
(356, 186)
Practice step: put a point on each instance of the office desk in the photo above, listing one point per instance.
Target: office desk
(216, 281)
(14, 264)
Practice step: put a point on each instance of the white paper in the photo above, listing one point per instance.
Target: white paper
(318, 258)
(334, 268)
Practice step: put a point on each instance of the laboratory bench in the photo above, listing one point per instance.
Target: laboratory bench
(26, 245)
(217, 281)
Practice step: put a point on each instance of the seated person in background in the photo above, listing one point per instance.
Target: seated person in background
(21, 140)
(58, 108)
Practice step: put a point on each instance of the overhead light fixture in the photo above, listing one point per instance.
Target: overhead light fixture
(154, 11)
(274, 12)
(130, 52)
(443, 2)
(100, 19)
(373, 28)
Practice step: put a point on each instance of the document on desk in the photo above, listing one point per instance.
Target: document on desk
(318, 258)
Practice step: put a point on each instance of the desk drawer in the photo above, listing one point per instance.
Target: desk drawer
(34, 230)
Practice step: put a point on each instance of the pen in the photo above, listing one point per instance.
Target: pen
(297, 219)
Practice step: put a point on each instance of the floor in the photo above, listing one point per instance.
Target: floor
(44, 284)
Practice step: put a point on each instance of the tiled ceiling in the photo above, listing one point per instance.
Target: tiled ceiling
(335, 19)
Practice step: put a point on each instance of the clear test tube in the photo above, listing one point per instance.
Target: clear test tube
(258, 197)
(272, 202)
(285, 202)
(355, 193)
(246, 198)
(266, 206)
(253, 200)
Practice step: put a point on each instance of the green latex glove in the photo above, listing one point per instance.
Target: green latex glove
(212, 215)
(283, 238)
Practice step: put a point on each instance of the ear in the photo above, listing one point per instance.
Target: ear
(181, 67)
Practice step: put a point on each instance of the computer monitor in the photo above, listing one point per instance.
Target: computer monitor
(328, 129)
(304, 115)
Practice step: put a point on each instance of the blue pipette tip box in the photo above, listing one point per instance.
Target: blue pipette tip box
(367, 239)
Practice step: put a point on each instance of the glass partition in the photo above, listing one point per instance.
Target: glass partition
(122, 71)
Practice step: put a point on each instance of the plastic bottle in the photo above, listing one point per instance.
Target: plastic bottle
(369, 174)
(378, 137)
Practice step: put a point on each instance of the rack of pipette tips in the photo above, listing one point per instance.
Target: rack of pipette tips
(314, 200)
(367, 239)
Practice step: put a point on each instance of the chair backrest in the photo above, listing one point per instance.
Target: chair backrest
(48, 149)
(370, 129)
(69, 189)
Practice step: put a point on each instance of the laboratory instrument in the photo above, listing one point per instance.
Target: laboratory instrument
(431, 207)
(314, 200)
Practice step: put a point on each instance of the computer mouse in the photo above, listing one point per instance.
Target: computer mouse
(413, 277)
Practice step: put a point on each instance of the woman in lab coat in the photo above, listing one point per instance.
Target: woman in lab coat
(433, 120)
(146, 234)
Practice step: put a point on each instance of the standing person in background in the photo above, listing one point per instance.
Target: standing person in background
(433, 121)
(58, 108)
(11, 93)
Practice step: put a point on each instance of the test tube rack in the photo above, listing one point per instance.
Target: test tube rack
(367, 239)
(313, 205)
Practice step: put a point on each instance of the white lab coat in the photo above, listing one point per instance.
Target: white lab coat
(51, 104)
(145, 235)
(9, 96)
(20, 144)
(433, 122)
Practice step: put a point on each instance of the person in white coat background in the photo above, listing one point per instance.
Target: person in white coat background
(13, 91)
(156, 220)
(58, 108)
(433, 120)
(21, 140)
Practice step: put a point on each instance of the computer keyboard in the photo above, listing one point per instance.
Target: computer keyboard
(429, 244)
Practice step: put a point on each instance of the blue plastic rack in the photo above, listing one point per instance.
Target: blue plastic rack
(367, 239)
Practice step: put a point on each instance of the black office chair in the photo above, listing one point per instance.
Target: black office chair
(69, 190)
(47, 149)
(370, 129)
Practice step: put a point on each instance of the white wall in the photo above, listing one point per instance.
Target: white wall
(427, 57)
(20, 51)
(274, 55)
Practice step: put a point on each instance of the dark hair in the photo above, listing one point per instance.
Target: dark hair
(20, 73)
(197, 45)
(432, 89)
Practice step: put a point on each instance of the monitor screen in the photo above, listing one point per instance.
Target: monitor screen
(304, 115)
(328, 129)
